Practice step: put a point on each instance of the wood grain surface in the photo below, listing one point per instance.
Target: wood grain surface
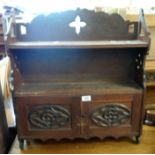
(95, 146)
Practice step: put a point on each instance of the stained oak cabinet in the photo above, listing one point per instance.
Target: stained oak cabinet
(79, 82)
(53, 117)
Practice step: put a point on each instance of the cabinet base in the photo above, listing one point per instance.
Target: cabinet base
(135, 139)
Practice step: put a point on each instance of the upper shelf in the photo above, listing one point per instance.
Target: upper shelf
(80, 44)
(79, 28)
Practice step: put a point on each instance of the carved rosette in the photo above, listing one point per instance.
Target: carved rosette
(110, 115)
(49, 117)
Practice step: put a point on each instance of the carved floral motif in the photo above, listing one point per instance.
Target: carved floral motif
(49, 117)
(110, 115)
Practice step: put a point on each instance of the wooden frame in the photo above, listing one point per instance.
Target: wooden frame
(90, 78)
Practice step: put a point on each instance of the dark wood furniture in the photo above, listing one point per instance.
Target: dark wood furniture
(79, 74)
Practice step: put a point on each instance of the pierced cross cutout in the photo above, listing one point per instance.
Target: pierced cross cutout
(77, 24)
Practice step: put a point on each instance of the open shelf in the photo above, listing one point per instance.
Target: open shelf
(75, 88)
(46, 72)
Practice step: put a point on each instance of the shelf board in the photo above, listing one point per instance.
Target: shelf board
(80, 44)
(75, 88)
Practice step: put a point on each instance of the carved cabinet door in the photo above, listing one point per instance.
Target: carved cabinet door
(47, 117)
(112, 115)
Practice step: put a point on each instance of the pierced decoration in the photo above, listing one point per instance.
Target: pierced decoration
(23, 30)
(139, 62)
(110, 115)
(49, 117)
(77, 24)
(67, 25)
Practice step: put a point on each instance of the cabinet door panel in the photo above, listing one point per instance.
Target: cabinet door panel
(113, 115)
(47, 117)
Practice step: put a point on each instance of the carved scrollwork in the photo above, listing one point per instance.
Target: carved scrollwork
(110, 115)
(49, 117)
